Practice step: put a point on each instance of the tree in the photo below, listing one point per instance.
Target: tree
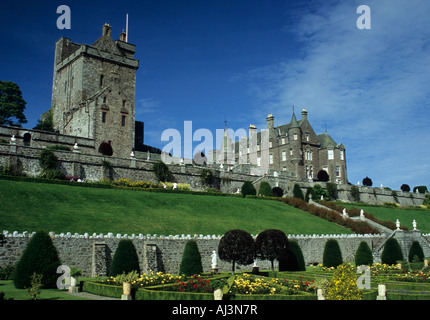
(293, 260)
(46, 123)
(125, 259)
(392, 252)
(12, 105)
(191, 263)
(41, 257)
(237, 246)
(271, 245)
(206, 177)
(310, 194)
(416, 253)
(47, 160)
(162, 172)
(405, 188)
(367, 182)
(332, 190)
(332, 256)
(323, 176)
(297, 192)
(363, 255)
(265, 189)
(248, 189)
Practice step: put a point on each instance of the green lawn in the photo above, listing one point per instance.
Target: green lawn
(28, 206)
(405, 216)
(8, 288)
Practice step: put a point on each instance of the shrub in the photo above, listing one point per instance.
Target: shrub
(277, 192)
(367, 182)
(191, 263)
(53, 174)
(41, 257)
(319, 191)
(421, 189)
(405, 188)
(332, 256)
(162, 172)
(265, 189)
(332, 190)
(47, 160)
(206, 176)
(237, 246)
(248, 189)
(343, 285)
(392, 252)
(294, 260)
(125, 259)
(416, 253)
(355, 193)
(310, 194)
(323, 176)
(363, 255)
(271, 245)
(297, 192)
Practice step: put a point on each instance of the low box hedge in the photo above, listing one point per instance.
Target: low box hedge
(101, 289)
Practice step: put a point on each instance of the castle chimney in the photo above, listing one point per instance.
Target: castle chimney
(270, 121)
(304, 114)
(107, 30)
(123, 36)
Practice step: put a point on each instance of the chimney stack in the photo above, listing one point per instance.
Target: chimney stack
(304, 114)
(270, 121)
(107, 30)
(123, 36)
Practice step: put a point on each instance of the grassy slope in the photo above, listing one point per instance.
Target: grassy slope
(26, 206)
(405, 216)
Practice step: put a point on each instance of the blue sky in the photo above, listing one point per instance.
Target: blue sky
(206, 61)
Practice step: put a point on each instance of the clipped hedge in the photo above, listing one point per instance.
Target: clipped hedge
(101, 289)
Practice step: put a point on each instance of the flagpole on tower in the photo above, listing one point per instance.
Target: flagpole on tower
(126, 28)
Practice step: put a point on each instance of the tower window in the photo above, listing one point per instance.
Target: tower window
(104, 117)
(330, 154)
(123, 121)
(295, 136)
(104, 99)
(101, 80)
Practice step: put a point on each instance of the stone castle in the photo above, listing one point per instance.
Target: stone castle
(94, 90)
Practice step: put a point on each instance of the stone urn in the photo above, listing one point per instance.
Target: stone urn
(381, 292)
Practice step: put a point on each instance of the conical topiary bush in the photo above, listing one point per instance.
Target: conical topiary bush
(416, 253)
(41, 257)
(363, 255)
(191, 263)
(332, 256)
(392, 252)
(125, 259)
(297, 251)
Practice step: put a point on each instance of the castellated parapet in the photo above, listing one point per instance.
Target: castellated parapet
(94, 90)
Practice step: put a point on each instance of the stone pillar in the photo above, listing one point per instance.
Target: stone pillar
(150, 258)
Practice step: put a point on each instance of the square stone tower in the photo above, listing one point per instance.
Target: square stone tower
(94, 92)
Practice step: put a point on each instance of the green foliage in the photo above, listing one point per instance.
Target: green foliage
(191, 263)
(52, 174)
(47, 123)
(367, 182)
(310, 194)
(47, 160)
(332, 256)
(207, 177)
(363, 255)
(6, 273)
(162, 172)
(265, 189)
(319, 191)
(332, 190)
(416, 253)
(421, 189)
(125, 259)
(271, 245)
(297, 192)
(392, 252)
(248, 189)
(237, 246)
(36, 285)
(40, 257)
(12, 105)
(297, 251)
(355, 193)
(405, 188)
(343, 285)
